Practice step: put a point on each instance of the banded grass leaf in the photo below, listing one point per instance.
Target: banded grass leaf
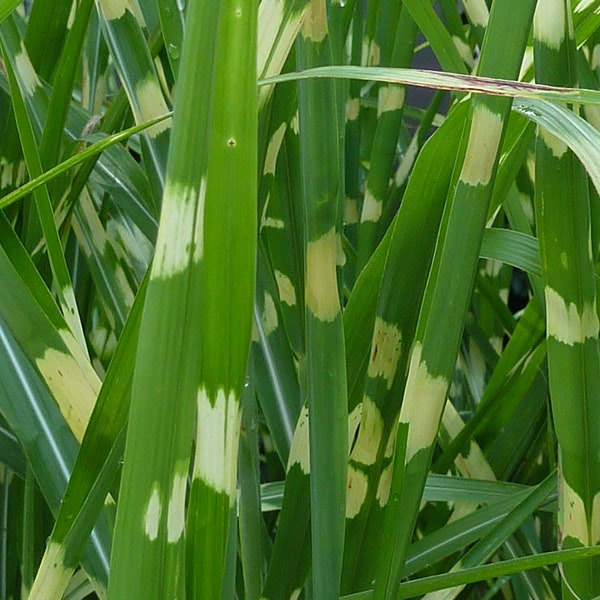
(572, 328)
(43, 432)
(278, 24)
(441, 320)
(109, 277)
(325, 383)
(510, 381)
(383, 150)
(276, 379)
(195, 272)
(281, 220)
(96, 465)
(24, 84)
(53, 350)
(413, 234)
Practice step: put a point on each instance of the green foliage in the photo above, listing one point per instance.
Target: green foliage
(272, 326)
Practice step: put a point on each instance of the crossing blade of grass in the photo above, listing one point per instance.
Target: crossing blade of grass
(511, 247)
(90, 152)
(484, 549)
(480, 84)
(572, 327)
(498, 569)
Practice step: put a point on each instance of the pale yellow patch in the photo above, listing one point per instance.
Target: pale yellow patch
(176, 508)
(592, 116)
(181, 231)
(350, 211)
(374, 54)
(390, 97)
(273, 150)
(477, 11)
(385, 483)
(385, 351)
(123, 285)
(114, 9)
(364, 52)
(407, 162)
(340, 255)
(321, 287)
(353, 422)
(269, 318)
(27, 74)
(372, 208)
(296, 594)
(12, 174)
(352, 109)
(74, 389)
(424, 399)
(217, 436)
(255, 333)
(277, 31)
(300, 450)
(566, 324)
(99, 244)
(554, 144)
(572, 517)
(271, 222)
(477, 369)
(595, 521)
(474, 465)
(492, 268)
(270, 17)
(391, 443)
(72, 14)
(549, 23)
(483, 146)
(595, 60)
(150, 105)
(53, 575)
(369, 434)
(314, 26)
(464, 50)
(134, 7)
(152, 514)
(295, 124)
(287, 293)
(356, 491)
